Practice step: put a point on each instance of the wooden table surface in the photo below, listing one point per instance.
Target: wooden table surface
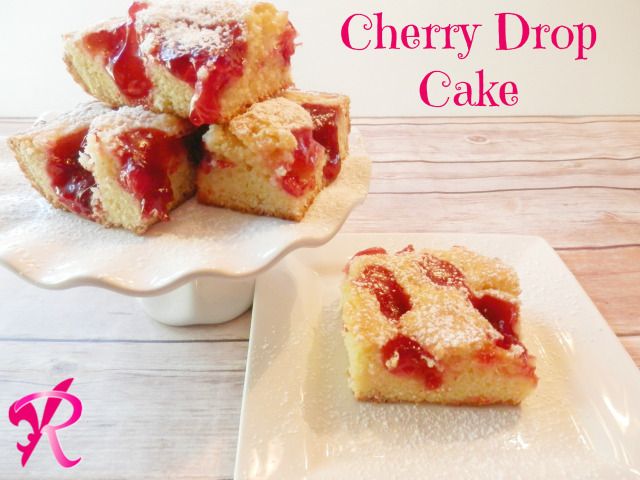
(165, 403)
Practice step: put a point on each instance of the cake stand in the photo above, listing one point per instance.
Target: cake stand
(199, 268)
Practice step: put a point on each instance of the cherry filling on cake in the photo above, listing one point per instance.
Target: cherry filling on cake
(300, 175)
(70, 181)
(209, 66)
(501, 314)
(209, 69)
(392, 297)
(325, 132)
(147, 158)
(120, 50)
(223, 63)
(405, 357)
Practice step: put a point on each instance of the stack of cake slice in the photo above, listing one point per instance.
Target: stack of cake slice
(165, 75)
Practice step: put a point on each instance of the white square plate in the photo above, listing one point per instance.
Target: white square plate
(299, 419)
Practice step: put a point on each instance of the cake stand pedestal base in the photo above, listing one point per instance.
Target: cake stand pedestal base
(206, 301)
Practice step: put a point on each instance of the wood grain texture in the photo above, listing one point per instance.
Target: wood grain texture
(611, 277)
(632, 344)
(165, 403)
(537, 140)
(455, 177)
(86, 315)
(567, 218)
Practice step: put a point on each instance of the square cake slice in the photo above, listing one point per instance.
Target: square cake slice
(264, 161)
(331, 125)
(126, 168)
(434, 326)
(206, 60)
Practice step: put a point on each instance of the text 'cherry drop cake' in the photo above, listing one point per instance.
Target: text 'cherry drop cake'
(266, 161)
(206, 60)
(434, 326)
(122, 168)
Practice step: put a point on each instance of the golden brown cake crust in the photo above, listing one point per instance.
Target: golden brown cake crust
(71, 68)
(268, 125)
(15, 144)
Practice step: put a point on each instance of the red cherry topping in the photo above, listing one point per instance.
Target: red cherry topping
(502, 315)
(392, 298)
(405, 357)
(70, 181)
(148, 157)
(325, 132)
(120, 50)
(300, 176)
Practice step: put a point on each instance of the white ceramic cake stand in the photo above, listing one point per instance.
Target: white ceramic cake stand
(199, 268)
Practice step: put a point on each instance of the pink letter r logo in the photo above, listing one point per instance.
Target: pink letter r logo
(23, 410)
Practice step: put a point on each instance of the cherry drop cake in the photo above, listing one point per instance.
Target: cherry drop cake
(265, 161)
(331, 125)
(206, 60)
(122, 168)
(434, 326)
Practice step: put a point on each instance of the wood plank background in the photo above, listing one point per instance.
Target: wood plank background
(175, 394)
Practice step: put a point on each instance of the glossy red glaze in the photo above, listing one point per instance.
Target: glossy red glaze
(502, 315)
(325, 132)
(69, 180)
(221, 71)
(120, 51)
(148, 157)
(405, 357)
(392, 298)
(300, 176)
(120, 48)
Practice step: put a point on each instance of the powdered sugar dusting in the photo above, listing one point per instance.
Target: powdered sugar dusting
(190, 27)
(442, 318)
(78, 118)
(126, 118)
